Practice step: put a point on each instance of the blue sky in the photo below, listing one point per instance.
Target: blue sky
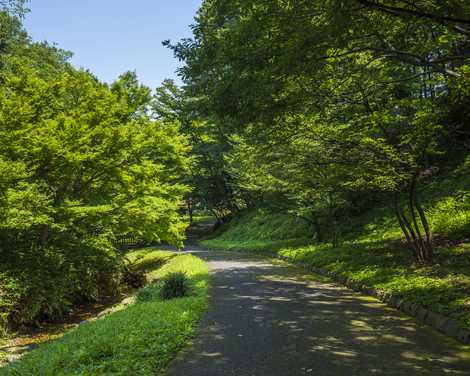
(109, 37)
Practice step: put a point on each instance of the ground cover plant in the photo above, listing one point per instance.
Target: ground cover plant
(175, 285)
(260, 230)
(138, 339)
(373, 251)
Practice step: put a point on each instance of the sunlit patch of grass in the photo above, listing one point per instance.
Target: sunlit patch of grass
(265, 246)
(260, 231)
(138, 340)
(149, 259)
(3, 342)
(197, 219)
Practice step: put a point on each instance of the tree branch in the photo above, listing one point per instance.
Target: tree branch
(415, 13)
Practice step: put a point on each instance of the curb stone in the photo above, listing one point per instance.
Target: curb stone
(437, 321)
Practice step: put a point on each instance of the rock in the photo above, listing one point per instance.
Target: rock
(421, 314)
(386, 297)
(436, 320)
(451, 328)
(104, 312)
(381, 295)
(376, 293)
(463, 335)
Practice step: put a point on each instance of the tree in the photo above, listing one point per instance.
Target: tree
(211, 183)
(352, 87)
(82, 163)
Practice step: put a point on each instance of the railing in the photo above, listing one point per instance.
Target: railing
(129, 241)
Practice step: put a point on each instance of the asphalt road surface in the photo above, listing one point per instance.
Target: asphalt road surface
(272, 319)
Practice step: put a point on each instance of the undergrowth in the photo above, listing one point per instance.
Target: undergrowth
(138, 340)
(373, 251)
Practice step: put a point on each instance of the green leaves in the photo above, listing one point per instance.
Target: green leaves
(325, 101)
(81, 164)
(140, 339)
(84, 143)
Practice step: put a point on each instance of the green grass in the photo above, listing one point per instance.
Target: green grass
(443, 287)
(3, 342)
(260, 230)
(373, 251)
(138, 340)
(149, 260)
(202, 218)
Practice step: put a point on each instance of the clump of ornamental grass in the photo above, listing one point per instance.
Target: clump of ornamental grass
(175, 285)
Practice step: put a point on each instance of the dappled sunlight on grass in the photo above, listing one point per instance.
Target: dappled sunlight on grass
(149, 259)
(443, 288)
(373, 252)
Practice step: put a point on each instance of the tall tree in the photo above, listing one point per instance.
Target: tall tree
(356, 84)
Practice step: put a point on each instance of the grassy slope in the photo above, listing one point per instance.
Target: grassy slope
(260, 230)
(140, 339)
(373, 252)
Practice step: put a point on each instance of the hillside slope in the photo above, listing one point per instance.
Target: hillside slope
(373, 251)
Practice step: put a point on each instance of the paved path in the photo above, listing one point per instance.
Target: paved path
(271, 319)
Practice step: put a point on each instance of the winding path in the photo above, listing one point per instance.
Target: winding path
(272, 319)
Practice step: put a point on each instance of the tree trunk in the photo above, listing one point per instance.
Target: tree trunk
(44, 236)
(189, 205)
(318, 230)
(424, 244)
(336, 237)
(427, 229)
(405, 227)
(412, 227)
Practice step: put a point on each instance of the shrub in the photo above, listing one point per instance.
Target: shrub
(133, 276)
(150, 292)
(38, 283)
(175, 285)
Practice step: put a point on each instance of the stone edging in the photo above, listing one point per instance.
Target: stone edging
(435, 320)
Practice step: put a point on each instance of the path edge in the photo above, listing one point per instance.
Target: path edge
(437, 321)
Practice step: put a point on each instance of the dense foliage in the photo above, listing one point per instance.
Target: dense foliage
(81, 164)
(319, 111)
(328, 107)
(140, 339)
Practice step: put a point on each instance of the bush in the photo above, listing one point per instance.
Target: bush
(134, 276)
(39, 283)
(149, 293)
(175, 285)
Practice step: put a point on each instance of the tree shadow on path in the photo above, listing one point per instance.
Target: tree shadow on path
(274, 319)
